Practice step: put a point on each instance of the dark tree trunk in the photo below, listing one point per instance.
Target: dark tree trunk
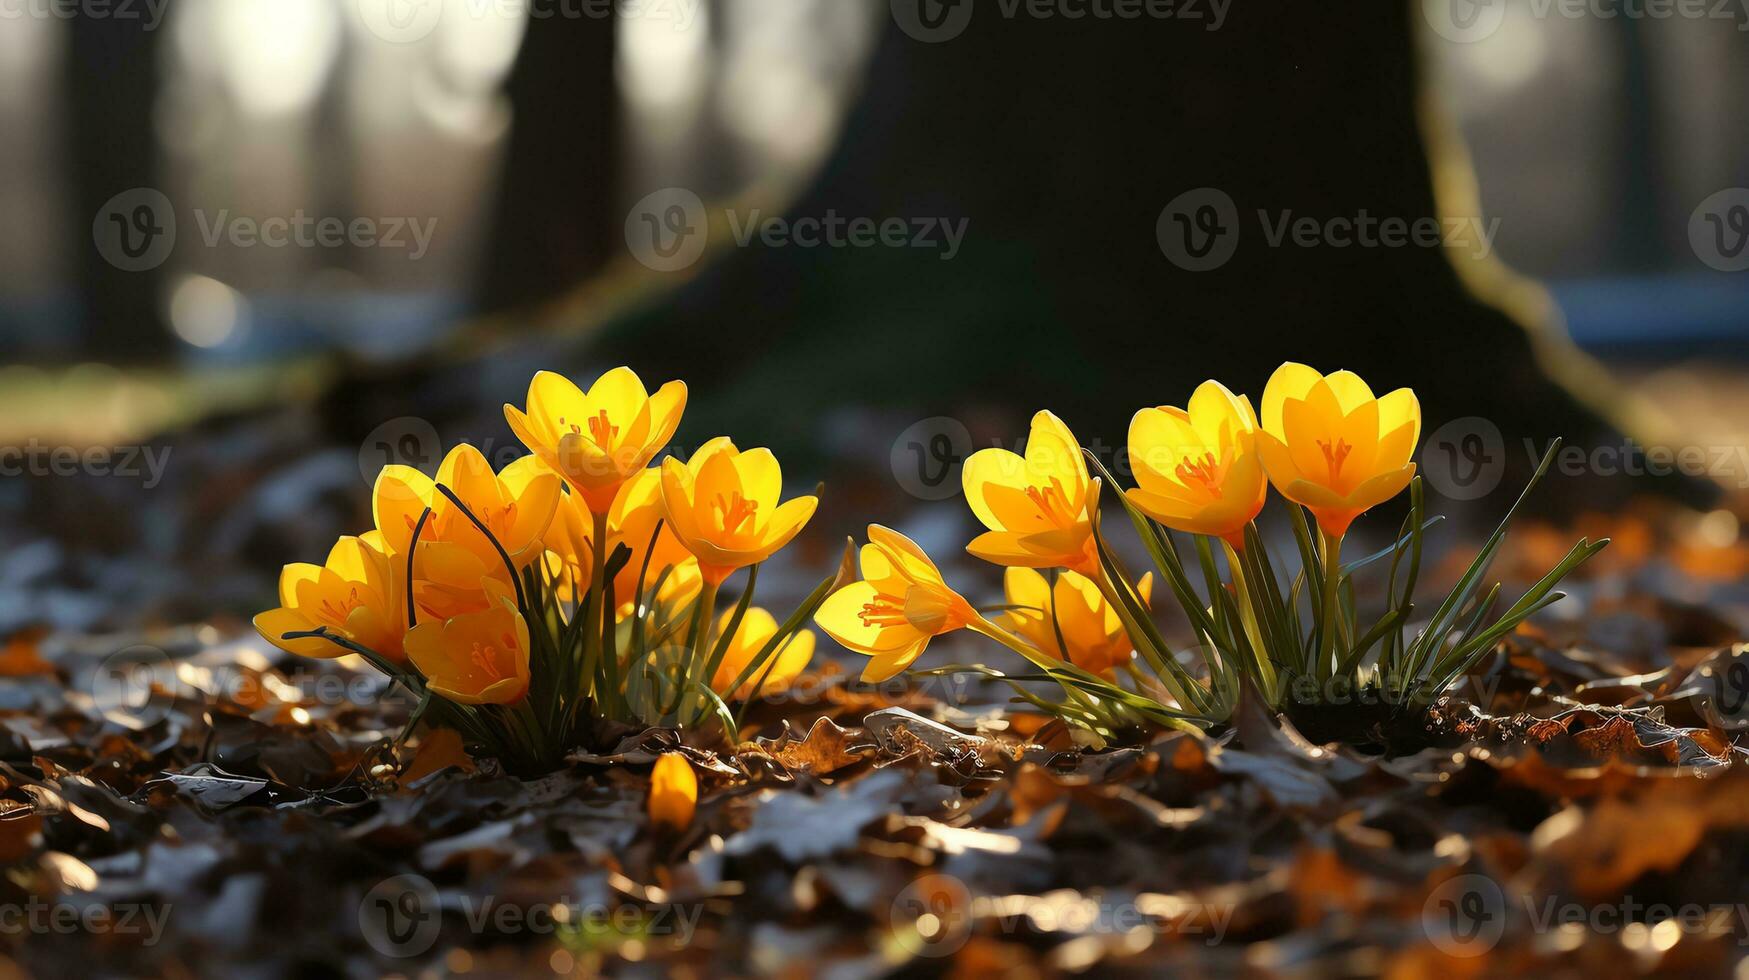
(554, 222)
(112, 87)
(1061, 142)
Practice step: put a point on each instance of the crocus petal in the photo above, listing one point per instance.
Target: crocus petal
(552, 398)
(886, 666)
(760, 478)
(1400, 425)
(1002, 548)
(673, 792)
(275, 623)
(909, 559)
(622, 395)
(992, 480)
(840, 616)
(1052, 452)
(293, 577)
(1025, 587)
(787, 521)
(1382, 487)
(1351, 392)
(666, 407)
(536, 507)
(399, 497)
(1291, 381)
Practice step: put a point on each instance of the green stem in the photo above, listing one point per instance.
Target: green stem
(701, 631)
(1168, 673)
(593, 637)
(984, 627)
(1248, 620)
(1332, 554)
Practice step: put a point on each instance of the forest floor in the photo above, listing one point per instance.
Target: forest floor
(1576, 808)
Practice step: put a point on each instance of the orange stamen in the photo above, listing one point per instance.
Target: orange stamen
(486, 659)
(1335, 457)
(1052, 503)
(338, 614)
(602, 430)
(1206, 471)
(884, 610)
(736, 510)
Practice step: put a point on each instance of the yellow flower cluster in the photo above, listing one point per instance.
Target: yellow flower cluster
(1324, 441)
(436, 587)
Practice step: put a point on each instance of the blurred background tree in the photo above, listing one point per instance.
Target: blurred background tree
(526, 129)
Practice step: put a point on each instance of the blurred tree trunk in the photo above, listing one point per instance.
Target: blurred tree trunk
(112, 89)
(554, 222)
(1061, 142)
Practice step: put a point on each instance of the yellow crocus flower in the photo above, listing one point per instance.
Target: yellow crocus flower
(756, 629)
(474, 658)
(598, 440)
(673, 792)
(723, 506)
(517, 514)
(1036, 506)
(631, 521)
(1329, 445)
(1198, 468)
(1091, 629)
(454, 558)
(355, 594)
(900, 604)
